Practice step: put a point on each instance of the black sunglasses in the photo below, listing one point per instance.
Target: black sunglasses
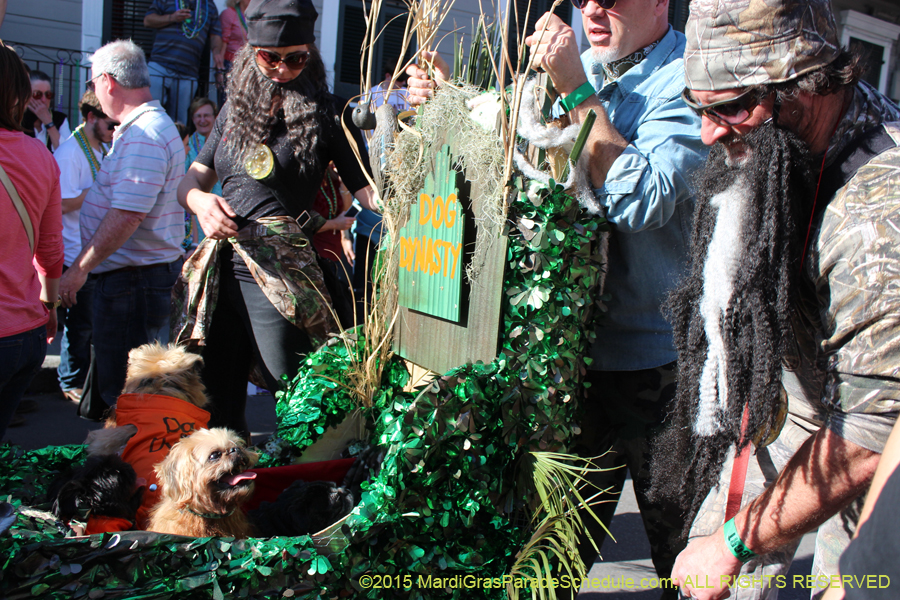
(293, 61)
(604, 4)
(89, 84)
(732, 111)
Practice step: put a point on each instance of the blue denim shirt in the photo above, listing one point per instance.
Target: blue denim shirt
(648, 200)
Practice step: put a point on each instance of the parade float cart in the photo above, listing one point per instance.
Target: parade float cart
(490, 285)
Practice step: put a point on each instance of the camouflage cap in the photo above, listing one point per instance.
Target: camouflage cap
(742, 43)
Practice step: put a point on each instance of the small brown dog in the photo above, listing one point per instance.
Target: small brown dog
(204, 484)
(162, 402)
(153, 370)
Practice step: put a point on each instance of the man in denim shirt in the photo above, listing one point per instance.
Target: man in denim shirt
(643, 151)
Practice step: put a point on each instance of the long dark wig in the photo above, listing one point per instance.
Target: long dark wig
(252, 95)
(757, 326)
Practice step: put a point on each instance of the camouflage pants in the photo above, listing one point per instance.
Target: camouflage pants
(623, 411)
(832, 538)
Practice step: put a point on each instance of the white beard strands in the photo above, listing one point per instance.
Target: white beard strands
(719, 270)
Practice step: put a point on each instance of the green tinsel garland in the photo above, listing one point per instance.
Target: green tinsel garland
(447, 501)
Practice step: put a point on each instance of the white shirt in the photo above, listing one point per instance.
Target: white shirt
(74, 177)
(396, 98)
(64, 134)
(141, 174)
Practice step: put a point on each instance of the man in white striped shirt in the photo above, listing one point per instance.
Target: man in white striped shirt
(131, 222)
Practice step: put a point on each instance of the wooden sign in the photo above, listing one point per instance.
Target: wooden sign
(445, 320)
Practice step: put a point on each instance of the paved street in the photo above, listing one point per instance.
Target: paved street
(629, 556)
(56, 423)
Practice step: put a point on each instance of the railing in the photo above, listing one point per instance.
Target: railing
(70, 69)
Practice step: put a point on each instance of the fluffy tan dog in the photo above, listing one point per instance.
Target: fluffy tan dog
(153, 370)
(165, 370)
(204, 484)
(162, 402)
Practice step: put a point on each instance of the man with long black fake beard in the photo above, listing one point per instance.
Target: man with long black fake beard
(786, 329)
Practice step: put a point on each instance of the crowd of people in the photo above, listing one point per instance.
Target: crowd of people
(746, 372)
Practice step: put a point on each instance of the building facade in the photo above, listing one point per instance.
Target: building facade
(57, 36)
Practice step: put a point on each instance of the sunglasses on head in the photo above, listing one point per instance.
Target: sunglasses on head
(38, 94)
(269, 60)
(732, 111)
(604, 4)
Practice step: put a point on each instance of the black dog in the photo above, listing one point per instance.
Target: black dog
(305, 507)
(105, 485)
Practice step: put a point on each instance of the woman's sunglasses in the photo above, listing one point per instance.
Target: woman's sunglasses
(732, 111)
(604, 4)
(37, 95)
(293, 61)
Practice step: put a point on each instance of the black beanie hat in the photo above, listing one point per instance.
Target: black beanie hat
(278, 23)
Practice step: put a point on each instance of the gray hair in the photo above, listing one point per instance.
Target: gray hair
(125, 62)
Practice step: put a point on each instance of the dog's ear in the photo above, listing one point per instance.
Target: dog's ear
(252, 457)
(176, 474)
(65, 506)
(197, 365)
(109, 440)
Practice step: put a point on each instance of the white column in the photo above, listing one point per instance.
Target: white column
(328, 15)
(91, 25)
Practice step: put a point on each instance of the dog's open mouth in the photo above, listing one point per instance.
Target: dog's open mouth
(232, 480)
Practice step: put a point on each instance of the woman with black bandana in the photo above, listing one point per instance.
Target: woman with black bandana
(253, 291)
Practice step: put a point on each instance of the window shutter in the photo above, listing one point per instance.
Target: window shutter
(127, 22)
(353, 34)
(538, 8)
(678, 13)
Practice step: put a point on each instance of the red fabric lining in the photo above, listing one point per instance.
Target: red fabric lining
(271, 481)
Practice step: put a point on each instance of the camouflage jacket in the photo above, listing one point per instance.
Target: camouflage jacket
(846, 368)
(283, 263)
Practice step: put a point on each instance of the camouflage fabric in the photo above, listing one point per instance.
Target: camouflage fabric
(624, 410)
(853, 266)
(844, 371)
(762, 471)
(742, 43)
(283, 263)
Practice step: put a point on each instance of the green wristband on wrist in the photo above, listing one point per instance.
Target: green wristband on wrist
(584, 91)
(735, 544)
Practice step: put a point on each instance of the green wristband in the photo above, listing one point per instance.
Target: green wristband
(735, 544)
(584, 91)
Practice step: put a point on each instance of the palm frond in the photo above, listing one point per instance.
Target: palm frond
(559, 481)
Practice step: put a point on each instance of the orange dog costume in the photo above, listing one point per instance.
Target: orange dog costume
(161, 422)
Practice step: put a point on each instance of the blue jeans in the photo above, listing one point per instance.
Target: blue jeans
(75, 345)
(131, 307)
(21, 357)
(173, 90)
